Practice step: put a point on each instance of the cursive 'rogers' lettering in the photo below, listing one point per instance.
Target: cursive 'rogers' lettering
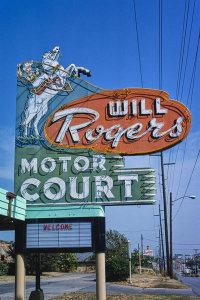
(113, 133)
(68, 113)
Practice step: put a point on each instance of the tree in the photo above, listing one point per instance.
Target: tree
(3, 268)
(116, 256)
(116, 243)
(117, 268)
(67, 262)
(30, 263)
(193, 263)
(12, 250)
(51, 262)
(190, 263)
(146, 261)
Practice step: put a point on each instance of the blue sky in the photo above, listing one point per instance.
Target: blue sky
(101, 35)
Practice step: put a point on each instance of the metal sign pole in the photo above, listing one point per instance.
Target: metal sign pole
(38, 293)
(129, 258)
(130, 278)
(38, 263)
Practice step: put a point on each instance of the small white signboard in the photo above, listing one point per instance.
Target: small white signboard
(59, 235)
(148, 252)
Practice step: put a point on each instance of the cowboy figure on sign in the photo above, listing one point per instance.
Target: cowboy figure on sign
(46, 83)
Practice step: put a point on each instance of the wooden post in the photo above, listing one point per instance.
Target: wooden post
(161, 233)
(139, 258)
(171, 254)
(165, 214)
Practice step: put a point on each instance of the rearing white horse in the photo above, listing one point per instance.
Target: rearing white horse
(45, 86)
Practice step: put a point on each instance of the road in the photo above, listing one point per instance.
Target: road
(193, 282)
(76, 282)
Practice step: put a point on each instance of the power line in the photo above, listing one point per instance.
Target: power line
(188, 184)
(183, 249)
(160, 44)
(190, 96)
(180, 176)
(183, 39)
(193, 73)
(186, 244)
(141, 230)
(138, 45)
(188, 48)
(184, 30)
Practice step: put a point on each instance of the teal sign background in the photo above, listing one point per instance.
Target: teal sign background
(84, 177)
(52, 178)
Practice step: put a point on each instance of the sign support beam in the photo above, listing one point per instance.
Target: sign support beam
(38, 263)
(38, 293)
(20, 277)
(100, 276)
(19, 263)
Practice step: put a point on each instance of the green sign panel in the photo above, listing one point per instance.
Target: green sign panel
(85, 177)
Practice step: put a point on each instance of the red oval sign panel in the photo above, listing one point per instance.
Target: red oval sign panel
(128, 121)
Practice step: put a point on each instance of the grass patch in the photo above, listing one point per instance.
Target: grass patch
(11, 278)
(92, 296)
(169, 286)
(153, 281)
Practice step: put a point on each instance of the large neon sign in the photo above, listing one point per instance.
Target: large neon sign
(130, 121)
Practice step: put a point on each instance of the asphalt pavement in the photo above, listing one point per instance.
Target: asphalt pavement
(78, 282)
(193, 282)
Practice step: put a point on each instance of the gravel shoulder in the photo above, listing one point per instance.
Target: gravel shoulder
(153, 281)
(92, 296)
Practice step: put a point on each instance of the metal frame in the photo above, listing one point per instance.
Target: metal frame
(97, 233)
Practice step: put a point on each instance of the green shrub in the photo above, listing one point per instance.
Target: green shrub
(117, 268)
(3, 268)
(11, 268)
(52, 262)
(67, 262)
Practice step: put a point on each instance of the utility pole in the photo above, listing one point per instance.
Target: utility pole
(171, 254)
(171, 242)
(165, 214)
(160, 264)
(141, 244)
(195, 259)
(139, 258)
(161, 233)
